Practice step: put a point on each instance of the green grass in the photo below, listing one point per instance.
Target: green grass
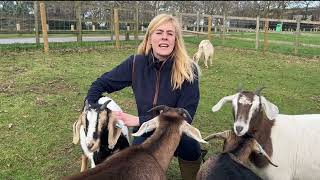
(41, 95)
(243, 44)
(307, 38)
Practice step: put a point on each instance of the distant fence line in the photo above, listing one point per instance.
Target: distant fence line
(119, 20)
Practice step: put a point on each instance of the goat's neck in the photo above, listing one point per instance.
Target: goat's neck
(263, 135)
(242, 154)
(163, 143)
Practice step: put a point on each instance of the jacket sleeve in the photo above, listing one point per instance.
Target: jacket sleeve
(189, 97)
(117, 79)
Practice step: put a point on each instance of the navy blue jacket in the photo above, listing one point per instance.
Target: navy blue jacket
(151, 87)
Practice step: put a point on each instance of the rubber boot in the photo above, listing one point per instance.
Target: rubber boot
(189, 169)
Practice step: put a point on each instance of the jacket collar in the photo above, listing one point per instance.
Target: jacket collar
(153, 61)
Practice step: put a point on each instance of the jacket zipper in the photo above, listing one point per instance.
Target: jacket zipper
(156, 94)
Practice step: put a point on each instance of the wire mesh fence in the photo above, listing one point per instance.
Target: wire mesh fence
(91, 24)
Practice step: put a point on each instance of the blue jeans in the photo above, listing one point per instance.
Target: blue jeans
(188, 148)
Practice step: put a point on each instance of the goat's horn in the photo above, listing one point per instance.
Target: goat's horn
(257, 147)
(186, 113)
(223, 135)
(104, 105)
(158, 108)
(258, 91)
(86, 105)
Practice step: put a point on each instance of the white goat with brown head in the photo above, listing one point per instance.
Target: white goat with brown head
(151, 159)
(206, 50)
(99, 132)
(289, 140)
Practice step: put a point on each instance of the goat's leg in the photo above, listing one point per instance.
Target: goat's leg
(206, 61)
(84, 163)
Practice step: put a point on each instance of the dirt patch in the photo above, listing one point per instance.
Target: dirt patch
(55, 86)
(315, 98)
(7, 86)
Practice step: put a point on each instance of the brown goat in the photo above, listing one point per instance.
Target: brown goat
(149, 160)
(233, 162)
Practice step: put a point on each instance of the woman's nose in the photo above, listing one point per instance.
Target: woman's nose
(164, 36)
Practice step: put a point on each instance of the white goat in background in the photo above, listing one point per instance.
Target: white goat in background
(205, 49)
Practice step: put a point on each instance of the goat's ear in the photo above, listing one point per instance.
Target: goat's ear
(258, 149)
(114, 131)
(192, 132)
(76, 129)
(270, 109)
(147, 126)
(222, 101)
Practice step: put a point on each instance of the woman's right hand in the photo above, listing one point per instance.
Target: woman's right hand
(128, 119)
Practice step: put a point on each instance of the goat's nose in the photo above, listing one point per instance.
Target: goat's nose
(239, 129)
(90, 145)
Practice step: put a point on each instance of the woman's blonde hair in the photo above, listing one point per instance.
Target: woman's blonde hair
(183, 65)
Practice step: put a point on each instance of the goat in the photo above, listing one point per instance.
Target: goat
(207, 50)
(289, 140)
(100, 134)
(232, 163)
(151, 159)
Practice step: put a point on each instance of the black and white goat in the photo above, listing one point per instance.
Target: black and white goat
(151, 159)
(233, 162)
(290, 140)
(99, 132)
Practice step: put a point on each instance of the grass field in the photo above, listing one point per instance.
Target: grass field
(41, 96)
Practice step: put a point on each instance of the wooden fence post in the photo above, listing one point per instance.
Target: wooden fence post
(266, 30)
(36, 21)
(198, 22)
(136, 27)
(224, 28)
(116, 28)
(127, 34)
(112, 24)
(209, 27)
(257, 32)
(78, 18)
(44, 27)
(296, 48)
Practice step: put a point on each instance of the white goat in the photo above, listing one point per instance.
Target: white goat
(99, 132)
(207, 50)
(290, 140)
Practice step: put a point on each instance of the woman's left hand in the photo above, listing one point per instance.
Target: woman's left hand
(128, 119)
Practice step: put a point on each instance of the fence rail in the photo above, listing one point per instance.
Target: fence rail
(80, 17)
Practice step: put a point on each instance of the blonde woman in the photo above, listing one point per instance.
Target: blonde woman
(161, 73)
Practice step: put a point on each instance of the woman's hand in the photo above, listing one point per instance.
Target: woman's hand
(128, 119)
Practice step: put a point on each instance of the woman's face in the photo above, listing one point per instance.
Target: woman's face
(163, 40)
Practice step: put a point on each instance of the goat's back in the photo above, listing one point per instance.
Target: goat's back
(223, 167)
(128, 164)
(296, 140)
(206, 47)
